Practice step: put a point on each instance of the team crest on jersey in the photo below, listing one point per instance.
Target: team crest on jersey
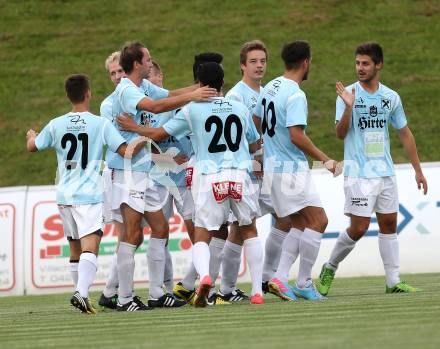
(386, 103)
(373, 111)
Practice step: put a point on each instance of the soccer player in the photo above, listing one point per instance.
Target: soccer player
(109, 296)
(185, 289)
(221, 182)
(78, 138)
(282, 107)
(364, 111)
(134, 192)
(253, 60)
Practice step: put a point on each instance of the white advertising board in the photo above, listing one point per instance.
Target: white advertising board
(34, 254)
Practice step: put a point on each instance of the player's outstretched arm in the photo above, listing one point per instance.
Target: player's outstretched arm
(127, 124)
(130, 150)
(171, 103)
(303, 142)
(30, 141)
(343, 125)
(409, 143)
(183, 90)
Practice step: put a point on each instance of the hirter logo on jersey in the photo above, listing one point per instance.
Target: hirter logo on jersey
(227, 189)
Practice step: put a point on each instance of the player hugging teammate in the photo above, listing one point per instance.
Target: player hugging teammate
(230, 178)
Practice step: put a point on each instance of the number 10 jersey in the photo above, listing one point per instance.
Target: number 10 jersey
(281, 105)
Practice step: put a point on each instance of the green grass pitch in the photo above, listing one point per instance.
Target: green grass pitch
(357, 315)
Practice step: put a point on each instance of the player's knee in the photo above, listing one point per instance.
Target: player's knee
(357, 231)
(319, 221)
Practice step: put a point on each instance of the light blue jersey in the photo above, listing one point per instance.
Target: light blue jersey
(221, 133)
(367, 143)
(173, 145)
(78, 139)
(281, 105)
(127, 96)
(106, 109)
(244, 94)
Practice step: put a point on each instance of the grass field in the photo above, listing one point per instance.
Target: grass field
(43, 41)
(357, 315)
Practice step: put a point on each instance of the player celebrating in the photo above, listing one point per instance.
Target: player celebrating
(283, 109)
(221, 182)
(253, 60)
(134, 192)
(363, 112)
(78, 138)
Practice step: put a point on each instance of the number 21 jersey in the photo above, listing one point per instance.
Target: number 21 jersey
(78, 139)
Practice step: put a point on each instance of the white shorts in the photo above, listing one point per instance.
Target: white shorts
(215, 195)
(182, 199)
(291, 192)
(138, 191)
(363, 196)
(81, 220)
(107, 211)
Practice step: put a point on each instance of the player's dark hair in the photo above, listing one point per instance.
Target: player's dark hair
(205, 57)
(295, 53)
(211, 74)
(76, 87)
(131, 52)
(371, 49)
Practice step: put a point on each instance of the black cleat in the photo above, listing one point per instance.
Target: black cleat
(82, 304)
(166, 301)
(108, 302)
(134, 305)
(235, 296)
(265, 287)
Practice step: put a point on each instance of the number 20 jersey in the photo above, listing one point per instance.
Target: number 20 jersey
(78, 139)
(281, 105)
(221, 133)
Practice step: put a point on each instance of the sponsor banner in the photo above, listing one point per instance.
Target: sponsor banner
(49, 249)
(11, 239)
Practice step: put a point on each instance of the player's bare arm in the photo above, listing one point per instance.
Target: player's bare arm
(257, 122)
(171, 103)
(132, 149)
(30, 140)
(127, 124)
(343, 125)
(183, 90)
(409, 143)
(303, 142)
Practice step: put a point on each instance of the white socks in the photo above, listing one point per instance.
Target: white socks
(389, 251)
(289, 253)
(308, 251)
(215, 249)
(125, 265)
(201, 256)
(344, 245)
(230, 266)
(190, 278)
(272, 252)
(156, 266)
(168, 278)
(73, 268)
(111, 287)
(86, 273)
(254, 255)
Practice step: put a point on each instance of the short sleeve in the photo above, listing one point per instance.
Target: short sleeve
(397, 116)
(45, 138)
(178, 126)
(111, 136)
(157, 92)
(340, 107)
(129, 98)
(233, 96)
(296, 110)
(106, 110)
(258, 112)
(252, 134)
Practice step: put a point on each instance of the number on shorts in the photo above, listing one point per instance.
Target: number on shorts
(215, 146)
